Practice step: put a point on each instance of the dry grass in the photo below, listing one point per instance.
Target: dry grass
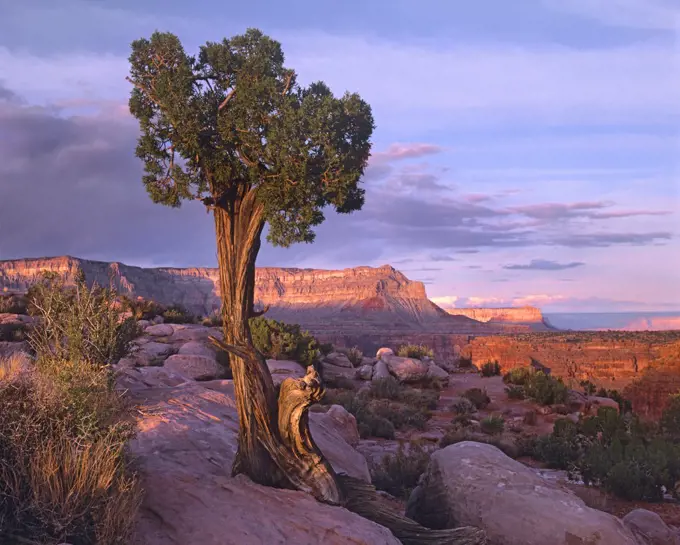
(64, 475)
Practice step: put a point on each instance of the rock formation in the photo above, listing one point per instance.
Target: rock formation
(531, 316)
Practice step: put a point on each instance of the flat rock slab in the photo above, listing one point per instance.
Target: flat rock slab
(194, 367)
(159, 330)
(197, 348)
(283, 369)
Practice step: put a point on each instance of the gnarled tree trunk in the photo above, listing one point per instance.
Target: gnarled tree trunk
(275, 446)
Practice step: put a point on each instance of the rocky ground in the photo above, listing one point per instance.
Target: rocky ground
(187, 438)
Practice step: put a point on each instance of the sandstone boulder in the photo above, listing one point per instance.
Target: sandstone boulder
(382, 352)
(595, 402)
(143, 324)
(197, 333)
(365, 372)
(406, 369)
(368, 361)
(282, 369)
(343, 423)
(331, 372)
(650, 529)
(159, 330)
(336, 358)
(194, 367)
(185, 448)
(380, 371)
(196, 348)
(436, 372)
(476, 484)
(153, 353)
(576, 401)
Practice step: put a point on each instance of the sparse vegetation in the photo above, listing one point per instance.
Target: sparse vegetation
(588, 387)
(139, 308)
(398, 473)
(515, 392)
(13, 304)
(355, 356)
(491, 369)
(78, 323)
(176, 314)
(326, 348)
(478, 397)
(281, 341)
(537, 385)
(417, 351)
(463, 406)
(214, 319)
(493, 425)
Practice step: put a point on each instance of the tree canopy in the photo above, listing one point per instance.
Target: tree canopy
(234, 119)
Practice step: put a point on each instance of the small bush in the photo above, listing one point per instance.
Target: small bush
(417, 351)
(515, 392)
(530, 418)
(463, 406)
(493, 425)
(588, 387)
(355, 356)
(326, 348)
(546, 390)
(519, 376)
(398, 473)
(141, 309)
(13, 304)
(212, 320)
(386, 388)
(340, 382)
(478, 397)
(178, 315)
(78, 323)
(278, 340)
(491, 369)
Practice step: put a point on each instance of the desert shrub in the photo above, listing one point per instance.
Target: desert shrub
(177, 314)
(417, 351)
(465, 363)
(456, 435)
(398, 473)
(545, 390)
(493, 425)
(478, 397)
(463, 406)
(355, 356)
(588, 387)
(326, 348)
(13, 332)
(78, 323)
(515, 392)
(530, 418)
(491, 369)
(670, 418)
(625, 406)
(141, 309)
(340, 382)
(401, 415)
(282, 341)
(214, 319)
(13, 304)
(519, 376)
(386, 388)
(64, 475)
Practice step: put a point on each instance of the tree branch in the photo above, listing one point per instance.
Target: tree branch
(288, 80)
(226, 99)
(231, 349)
(257, 313)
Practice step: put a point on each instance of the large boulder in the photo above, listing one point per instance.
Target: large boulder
(476, 484)
(159, 330)
(595, 402)
(406, 369)
(365, 372)
(185, 447)
(283, 369)
(650, 529)
(194, 367)
(380, 371)
(197, 348)
(383, 352)
(152, 353)
(338, 359)
(436, 372)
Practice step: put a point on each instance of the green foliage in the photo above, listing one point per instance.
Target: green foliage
(141, 309)
(463, 406)
(234, 119)
(177, 314)
(491, 369)
(386, 388)
(281, 341)
(417, 351)
(537, 385)
(625, 406)
(614, 451)
(515, 392)
(398, 474)
(212, 320)
(588, 387)
(64, 476)
(478, 397)
(13, 304)
(326, 348)
(78, 323)
(355, 356)
(493, 425)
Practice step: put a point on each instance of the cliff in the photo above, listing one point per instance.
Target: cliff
(344, 305)
(519, 315)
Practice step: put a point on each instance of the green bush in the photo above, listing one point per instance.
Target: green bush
(177, 314)
(463, 406)
(417, 351)
(515, 392)
(141, 309)
(355, 356)
(281, 341)
(478, 397)
(64, 474)
(13, 304)
(491, 369)
(546, 390)
(519, 376)
(493, 425)
(78, 323)
(398, 473)
(386, 388)
(326, 348)
(588, 387)
(214, 319)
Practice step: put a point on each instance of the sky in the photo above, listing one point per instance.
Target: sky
(526, 152)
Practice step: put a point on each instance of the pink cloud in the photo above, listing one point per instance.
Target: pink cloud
(396, 152)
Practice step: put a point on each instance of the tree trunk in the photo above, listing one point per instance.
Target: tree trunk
(275, 446)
